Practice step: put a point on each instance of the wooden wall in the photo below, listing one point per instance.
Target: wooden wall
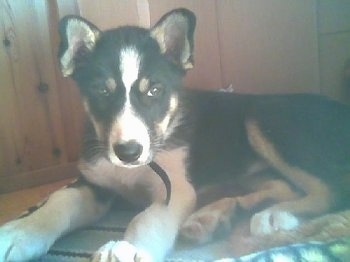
(255, 45)
(334, 47)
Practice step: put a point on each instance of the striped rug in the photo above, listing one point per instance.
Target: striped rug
(80, 245)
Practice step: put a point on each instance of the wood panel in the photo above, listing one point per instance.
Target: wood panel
(334, 53)
(206, 73)
(15, 203)
(110, 14)
(34, 86)
(32, 130)
(65, 7)
(11, 137)
(71, 107)
(333, 16)
(269, 46)
(38, 177)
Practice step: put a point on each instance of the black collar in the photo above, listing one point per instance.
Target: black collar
(163, 175)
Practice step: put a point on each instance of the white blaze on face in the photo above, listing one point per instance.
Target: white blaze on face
(129, 66)
(128, 126)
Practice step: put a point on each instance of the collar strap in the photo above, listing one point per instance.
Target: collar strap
(163, 175)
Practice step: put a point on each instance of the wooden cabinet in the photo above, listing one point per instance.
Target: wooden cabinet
(334, 47)
(35, 143)
(255, 45)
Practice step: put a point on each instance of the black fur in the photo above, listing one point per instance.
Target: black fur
(310, 132)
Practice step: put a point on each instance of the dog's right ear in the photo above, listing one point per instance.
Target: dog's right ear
(78, 39)
(174, 33)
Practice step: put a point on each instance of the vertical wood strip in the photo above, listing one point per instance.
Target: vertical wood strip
(38, 115)
(269, 46)
(143, 13)
(110, 13)
(69, 97)
(11, 136)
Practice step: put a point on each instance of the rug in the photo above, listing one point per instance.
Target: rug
(78, 246)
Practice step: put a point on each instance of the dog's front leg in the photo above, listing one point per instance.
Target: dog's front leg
(152, 233)
(31, 235)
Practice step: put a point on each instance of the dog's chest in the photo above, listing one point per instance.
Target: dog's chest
(128, 182)
(141, 184)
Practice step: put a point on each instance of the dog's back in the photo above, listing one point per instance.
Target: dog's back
(310, 131)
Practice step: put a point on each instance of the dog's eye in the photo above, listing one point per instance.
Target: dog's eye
(103, 91)
(155, 90)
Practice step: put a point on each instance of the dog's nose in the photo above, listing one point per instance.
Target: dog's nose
(128, 151)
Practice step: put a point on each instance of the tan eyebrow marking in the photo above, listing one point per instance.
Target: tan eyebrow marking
(111, 84)
(144, 85)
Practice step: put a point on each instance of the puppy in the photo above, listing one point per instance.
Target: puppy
(295, 149)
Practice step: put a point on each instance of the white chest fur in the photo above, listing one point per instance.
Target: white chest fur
(140, 184)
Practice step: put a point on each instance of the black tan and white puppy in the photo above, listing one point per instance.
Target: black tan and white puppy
(294, 149)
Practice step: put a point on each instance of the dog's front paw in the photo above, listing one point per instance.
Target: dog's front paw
(120, 251)
(20, 241)
(270, 220)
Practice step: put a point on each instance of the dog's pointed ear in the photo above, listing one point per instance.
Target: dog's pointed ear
(78, 39)
(174, 33)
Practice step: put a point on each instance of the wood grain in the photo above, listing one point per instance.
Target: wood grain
(269, 46)
(13, 204)
(38, 177)
(38, 112)
(110, 14)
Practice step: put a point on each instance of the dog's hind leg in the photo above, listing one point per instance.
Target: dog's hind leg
(205, 222)
(317, 197)
(32, 234)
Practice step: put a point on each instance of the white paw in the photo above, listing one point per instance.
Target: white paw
(20, 241)
(120, 251)
(269, 221)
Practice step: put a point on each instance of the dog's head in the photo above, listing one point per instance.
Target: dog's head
(129, 79)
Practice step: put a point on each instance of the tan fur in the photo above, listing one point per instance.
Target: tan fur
(163, 126)
(142, 183)
(324, 228)
(174, 163)
(144, 85)
(317, 194)
(111, 84)
(160, 34)
(201, 225)
(312, 197)
(78, 28)
(98, 127)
